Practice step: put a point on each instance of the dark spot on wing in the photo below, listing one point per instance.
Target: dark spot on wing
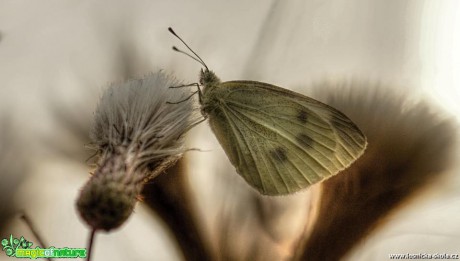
(279, 154)
(302, 116)
(305, 140)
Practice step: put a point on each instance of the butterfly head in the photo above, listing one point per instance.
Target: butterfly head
(208, 78)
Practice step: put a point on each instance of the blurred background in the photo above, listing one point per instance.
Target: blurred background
(56, 58)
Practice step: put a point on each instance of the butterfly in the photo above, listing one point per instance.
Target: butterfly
(278, 140)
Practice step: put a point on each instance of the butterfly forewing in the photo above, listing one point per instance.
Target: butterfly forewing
(280, 141)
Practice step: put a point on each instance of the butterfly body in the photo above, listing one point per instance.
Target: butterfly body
(279, 141)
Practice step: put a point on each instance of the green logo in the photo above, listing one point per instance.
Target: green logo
(21, 248)
(10, 245)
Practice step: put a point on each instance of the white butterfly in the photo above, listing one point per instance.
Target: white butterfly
(279, 141)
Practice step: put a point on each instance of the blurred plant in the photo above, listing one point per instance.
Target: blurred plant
(411, 146)
(14, 164)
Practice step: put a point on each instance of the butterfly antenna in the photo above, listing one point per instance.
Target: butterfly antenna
(188, 47)
(194, 58)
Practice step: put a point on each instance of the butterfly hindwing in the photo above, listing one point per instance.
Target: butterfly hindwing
(280, 141)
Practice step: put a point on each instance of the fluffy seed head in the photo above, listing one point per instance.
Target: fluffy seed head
(137, 134)
(136, 114)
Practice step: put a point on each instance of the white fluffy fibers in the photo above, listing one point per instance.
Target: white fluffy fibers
(137, 134)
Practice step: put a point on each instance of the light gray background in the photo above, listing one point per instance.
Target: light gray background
(56, 57)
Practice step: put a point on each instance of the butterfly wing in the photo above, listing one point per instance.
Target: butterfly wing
(280, 141)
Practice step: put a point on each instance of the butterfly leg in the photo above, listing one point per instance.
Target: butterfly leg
(186, 99)
(200, 94)
(184, 85)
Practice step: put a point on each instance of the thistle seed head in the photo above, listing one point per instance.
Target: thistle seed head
(137, 135)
